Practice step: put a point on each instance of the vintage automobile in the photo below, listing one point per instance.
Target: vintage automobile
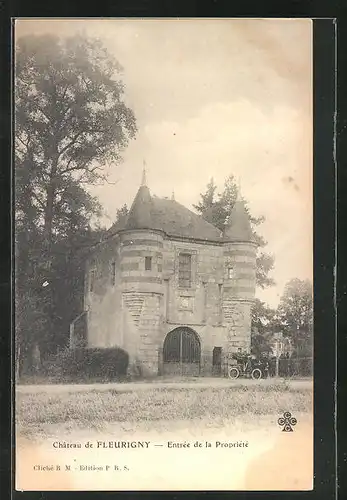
(245, 365)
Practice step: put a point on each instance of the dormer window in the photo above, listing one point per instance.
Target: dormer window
(148, 263)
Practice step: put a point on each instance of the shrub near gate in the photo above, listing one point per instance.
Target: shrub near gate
(81, 364)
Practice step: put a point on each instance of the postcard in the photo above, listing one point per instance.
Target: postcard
(163, 225)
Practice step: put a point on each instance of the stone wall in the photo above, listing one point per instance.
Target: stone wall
(102, 297)
(137, 308)
(142, 292)
(238, 293)
(198, 304)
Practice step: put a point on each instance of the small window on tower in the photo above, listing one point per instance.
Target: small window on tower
(113, 273)
(231, 273)
(148, 263)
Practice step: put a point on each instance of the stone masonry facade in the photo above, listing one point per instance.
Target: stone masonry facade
(166, 269)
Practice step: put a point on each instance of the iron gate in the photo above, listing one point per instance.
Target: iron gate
(182, 352)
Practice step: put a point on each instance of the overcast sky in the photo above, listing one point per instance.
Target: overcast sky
(214, 98)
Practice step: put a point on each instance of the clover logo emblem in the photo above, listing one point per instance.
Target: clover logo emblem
(287, 422)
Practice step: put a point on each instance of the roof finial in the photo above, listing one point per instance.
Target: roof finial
(144, 180)
(173, 196)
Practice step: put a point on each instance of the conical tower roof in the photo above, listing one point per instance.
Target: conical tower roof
(140, 213)
(238, 227)
(166, 215)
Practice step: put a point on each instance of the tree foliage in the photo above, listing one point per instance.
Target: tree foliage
(216, 207)
(122, 214)
(71, 122)
(262, 317)
(295, 313)
(262, 327)
(293, 318)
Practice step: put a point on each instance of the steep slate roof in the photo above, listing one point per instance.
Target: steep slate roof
(169, 216)
(139, 216)
(177, 220)
(117, 226)
(238, 227)
(174, 219)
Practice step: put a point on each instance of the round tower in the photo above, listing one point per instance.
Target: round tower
(239, 252)
(141, 257)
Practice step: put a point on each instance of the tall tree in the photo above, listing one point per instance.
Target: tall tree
(295, 313)
(262, 328)
(262, 317)
(122, 214)
(216, 209)
(70, 122)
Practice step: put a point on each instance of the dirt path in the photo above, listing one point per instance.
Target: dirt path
(184, 384)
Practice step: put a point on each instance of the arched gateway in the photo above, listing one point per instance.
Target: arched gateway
(182, 352)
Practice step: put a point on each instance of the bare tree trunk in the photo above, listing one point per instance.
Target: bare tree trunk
(36, 358)
(49, 209)
(49, 223)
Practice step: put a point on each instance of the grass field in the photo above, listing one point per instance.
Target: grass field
(95, 409)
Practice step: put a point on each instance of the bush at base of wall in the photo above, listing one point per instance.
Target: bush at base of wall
(81, 363)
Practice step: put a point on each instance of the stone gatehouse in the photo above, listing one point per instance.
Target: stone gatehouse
(170, 289)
